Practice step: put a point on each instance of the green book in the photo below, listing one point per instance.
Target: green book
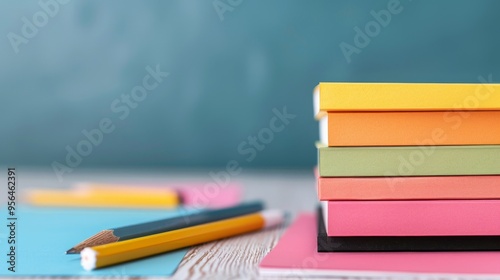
(408, 161)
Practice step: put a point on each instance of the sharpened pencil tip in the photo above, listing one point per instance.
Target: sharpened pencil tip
(72, 251)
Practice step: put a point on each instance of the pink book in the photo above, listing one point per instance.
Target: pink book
(412, 217)
(296, 256)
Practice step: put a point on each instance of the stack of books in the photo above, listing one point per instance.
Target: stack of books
(408, 167)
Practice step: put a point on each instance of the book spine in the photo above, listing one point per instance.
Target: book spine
(408, 188)
(411, 128)
(408, 97)
(408, 161)
(413, 218)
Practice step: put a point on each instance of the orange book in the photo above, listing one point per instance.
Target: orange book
(411, 128)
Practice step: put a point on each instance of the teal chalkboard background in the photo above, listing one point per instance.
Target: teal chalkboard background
(227, 73)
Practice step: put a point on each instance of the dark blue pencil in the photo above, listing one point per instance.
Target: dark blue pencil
(148, 228)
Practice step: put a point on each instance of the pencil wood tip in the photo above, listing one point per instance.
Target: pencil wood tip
(72, 251)
(103, 237)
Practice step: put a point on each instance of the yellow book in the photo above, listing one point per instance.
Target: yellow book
(405, 97)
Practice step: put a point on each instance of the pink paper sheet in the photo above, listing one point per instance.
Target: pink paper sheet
(296, 256)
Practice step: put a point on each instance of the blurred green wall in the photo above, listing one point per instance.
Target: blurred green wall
(230, 63)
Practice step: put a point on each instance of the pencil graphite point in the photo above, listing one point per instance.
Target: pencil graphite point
(72, 251)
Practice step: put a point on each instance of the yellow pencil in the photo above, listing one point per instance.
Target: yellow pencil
(114, 253)
(120, 187)
(162, 198)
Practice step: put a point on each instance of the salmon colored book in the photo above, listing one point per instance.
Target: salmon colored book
(412, 128)
(408, 188)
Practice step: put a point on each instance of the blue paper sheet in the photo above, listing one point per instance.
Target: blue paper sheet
(44, 234)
